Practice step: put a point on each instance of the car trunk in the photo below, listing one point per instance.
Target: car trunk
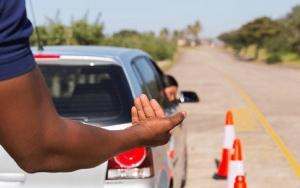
(11, 175)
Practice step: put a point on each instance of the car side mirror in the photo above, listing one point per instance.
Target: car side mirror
(188, 96)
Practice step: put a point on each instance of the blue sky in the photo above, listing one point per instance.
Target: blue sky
(215, 16)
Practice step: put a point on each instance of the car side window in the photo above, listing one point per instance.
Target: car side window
(138, 74)
(156, 67)
(149, 79)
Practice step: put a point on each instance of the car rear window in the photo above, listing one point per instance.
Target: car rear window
(90, 93)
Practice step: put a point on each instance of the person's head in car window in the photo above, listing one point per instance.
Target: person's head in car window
(171, 87)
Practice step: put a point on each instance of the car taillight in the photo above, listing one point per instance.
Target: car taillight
(132, 158)
(136, 163)
(46, 56)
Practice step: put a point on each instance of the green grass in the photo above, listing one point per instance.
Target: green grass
(171, 62)
(250, 53)
(290, 59)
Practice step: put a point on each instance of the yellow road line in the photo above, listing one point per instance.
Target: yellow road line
(280, 144)
(244, 121)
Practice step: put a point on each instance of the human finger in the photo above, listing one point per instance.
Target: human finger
(159, 112)
(134, 115)
(177, 119)
(147, 107)
(139, 107)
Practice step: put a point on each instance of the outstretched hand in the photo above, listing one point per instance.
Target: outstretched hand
(151, 123)
(143, 109)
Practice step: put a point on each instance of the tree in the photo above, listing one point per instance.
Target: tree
(164, 33)
(57, 34)
(195, 30)
(278, 44)
(43, 35)
(260, 29)
(233, 39)
(188, 32)
(295, 46)
(126, 33)
(151, 33)
(85, 34)
(56, 31)
(292, 22)
(177, 34)
(53, 33)
(192, 32)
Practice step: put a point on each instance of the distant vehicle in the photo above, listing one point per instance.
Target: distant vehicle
(97, 86)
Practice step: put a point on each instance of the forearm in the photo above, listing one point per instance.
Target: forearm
(70, 146)
(84, 146)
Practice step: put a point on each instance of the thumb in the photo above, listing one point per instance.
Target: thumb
(177, 118)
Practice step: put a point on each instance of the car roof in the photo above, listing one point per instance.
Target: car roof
(96, 51)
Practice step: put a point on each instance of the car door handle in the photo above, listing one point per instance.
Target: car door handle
(9, 178)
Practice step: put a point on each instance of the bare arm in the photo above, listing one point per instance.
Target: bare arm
(39, 140)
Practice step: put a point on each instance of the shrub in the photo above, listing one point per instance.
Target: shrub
(276, 44)
(159, 49)
(273, 59)
(295, 46)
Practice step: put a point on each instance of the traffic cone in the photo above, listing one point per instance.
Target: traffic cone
(236, 166)
(229, 136)
(240, 182)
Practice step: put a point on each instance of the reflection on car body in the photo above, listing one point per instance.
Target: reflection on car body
(97, 85)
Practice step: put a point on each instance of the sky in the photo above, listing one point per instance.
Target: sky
(215, 16)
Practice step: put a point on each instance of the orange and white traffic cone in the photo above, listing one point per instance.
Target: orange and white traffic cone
(240, 182)
(229, 136)
(236, 166)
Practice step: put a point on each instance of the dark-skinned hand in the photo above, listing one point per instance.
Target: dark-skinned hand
(150, 122)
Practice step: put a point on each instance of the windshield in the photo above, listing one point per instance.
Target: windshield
(89, 93)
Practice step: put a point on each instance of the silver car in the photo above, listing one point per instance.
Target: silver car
(97, 85)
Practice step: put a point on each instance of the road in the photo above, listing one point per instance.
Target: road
(265, 101)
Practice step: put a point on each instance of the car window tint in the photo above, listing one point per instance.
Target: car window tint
(156, 67)
(89, 92)
(138, 74)
(148, 75)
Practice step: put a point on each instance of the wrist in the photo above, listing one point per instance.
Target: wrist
(135, 135)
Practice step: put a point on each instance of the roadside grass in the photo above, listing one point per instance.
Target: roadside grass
(165, 65)
(249, 54)
(290, 59)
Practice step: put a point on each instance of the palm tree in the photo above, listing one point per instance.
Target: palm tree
(164, 33)
(196, 29)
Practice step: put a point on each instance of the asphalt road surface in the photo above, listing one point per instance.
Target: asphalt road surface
(265, 101)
